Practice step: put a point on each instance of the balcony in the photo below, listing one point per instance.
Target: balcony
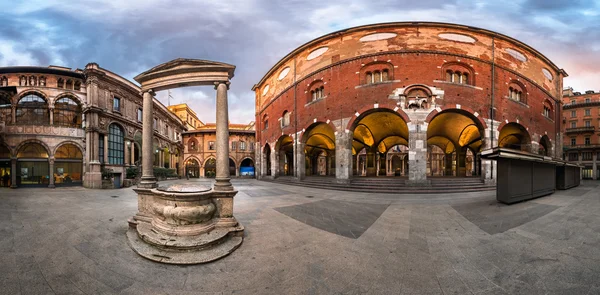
(591, 103)
(588, 129)
(581, 147)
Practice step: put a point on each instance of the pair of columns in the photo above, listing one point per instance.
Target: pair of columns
(222, 180)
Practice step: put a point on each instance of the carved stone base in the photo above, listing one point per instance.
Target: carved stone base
(184, 250)
(184, 225)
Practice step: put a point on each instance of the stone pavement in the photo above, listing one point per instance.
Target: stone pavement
(312, 241)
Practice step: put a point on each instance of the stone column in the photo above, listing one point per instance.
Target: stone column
(461, 161)
(222, 182)
(13, 173)
(300, 160)
(370, 162)
(343, 156)
(132, 154)
(148, 180)
(274, 163)
(51, 173)
(126, 151)
(51, 111)
(417, 154)
(281, 164)
(14, 114)
(106, 148)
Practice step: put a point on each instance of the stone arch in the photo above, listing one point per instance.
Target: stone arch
(33, 91)
(285, 151)
(438, 110)
(266, 159)
(68, 94)
(386, 106)
(79, 146)
(545, 146)
(121, 125)
(28, 141)
(514, 136)
(8, 151)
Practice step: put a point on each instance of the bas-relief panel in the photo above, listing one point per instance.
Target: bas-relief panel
(44, 130)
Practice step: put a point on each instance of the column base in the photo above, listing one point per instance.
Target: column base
(148, 182)
(223, 185)
(13, 186)
(51, 186)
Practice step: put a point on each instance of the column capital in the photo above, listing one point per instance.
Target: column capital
(222, 82)
(149, 91)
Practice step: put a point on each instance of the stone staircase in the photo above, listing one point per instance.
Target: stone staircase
(391, 185)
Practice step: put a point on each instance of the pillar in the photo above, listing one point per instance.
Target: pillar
(51, 111)
(263, 162)
(222, 180)
(13, 173)
(106, 148)
(448, 165)
(51, 173)
(343, 156)
(148, 180)
(417, 154)
(132, 153)
(370, 162)
(14, 114)
(300, 159)
(461, 161)
(274, 163)
(126, 151)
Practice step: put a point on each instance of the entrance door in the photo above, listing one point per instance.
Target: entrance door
(117, 180)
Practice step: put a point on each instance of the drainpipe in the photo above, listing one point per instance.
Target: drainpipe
(492, 113)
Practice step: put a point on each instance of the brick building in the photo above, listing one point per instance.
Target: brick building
(581, 121)
(411, 99)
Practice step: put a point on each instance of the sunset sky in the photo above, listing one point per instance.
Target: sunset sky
(129, 37)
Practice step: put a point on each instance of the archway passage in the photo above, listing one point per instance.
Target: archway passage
(378, 135)
(319, 150)
(210, 167)
(544, 146)
(247, 167)
(457, 134)
(192, 168)
(285, 148)
(232, 168)
(514, 136)
(32, 165)
(5, 167)
(68, 166)
(267, 159)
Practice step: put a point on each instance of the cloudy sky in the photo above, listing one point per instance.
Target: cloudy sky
(131, 36)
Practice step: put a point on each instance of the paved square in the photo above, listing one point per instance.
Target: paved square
(72, 241)
(347, 219)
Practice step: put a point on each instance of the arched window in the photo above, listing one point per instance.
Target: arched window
(265, 122)
(448, 76)
(69, 84)
(116, 146)
(285, 119)
(459, 73)
(67, 112)
(515, 92)
(376, 77)
(60, 83)
(548, 110)
(456, 77)
(369, 78)
(77, 86)
(192, 145)
(32, 109)
(385, 75)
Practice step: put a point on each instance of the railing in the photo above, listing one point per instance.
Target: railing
(581, 146)
(591, 103)
(587, 129)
